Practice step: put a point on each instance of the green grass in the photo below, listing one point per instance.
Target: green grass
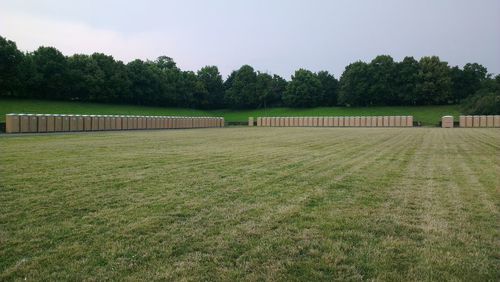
(428, 115)
(251, 204)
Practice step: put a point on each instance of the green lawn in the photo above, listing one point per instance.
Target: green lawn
(251, 204)
(428, 115)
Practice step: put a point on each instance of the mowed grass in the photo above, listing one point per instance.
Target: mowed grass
(252, 204)
(427, 115)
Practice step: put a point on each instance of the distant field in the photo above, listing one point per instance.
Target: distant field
(251, 204)
(428, 115)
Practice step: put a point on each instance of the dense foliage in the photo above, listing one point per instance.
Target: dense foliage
(47, 74)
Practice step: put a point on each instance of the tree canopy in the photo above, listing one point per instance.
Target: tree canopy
(46, 73)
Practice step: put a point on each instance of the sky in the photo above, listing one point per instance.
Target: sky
(274, 36)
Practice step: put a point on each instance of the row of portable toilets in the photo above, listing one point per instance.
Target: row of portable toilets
(33, 123)
(480, 121)
(354, 121)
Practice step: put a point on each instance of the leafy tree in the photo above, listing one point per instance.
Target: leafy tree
(329, 88)
(486, 101)
(84, 79)
(241, 91)
(146, 86)
(50, 77)
(434, 82)
(406, 81)
(10, 72)
(304, 90)
(382, 77)
(355, 84)
(467, 81)
(212, 82)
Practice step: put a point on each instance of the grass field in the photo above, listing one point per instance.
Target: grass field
(428, 115)
(252, 204)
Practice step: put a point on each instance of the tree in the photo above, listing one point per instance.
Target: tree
(115, 82)
(213, 83)
(406, 81)
(50, 77)
(85, 78)
(10, 72)
(434, 82)
(382, 77)
(241, 89)
(329, 88)
(304, 90)
(354, 85)
(467, 81)
(486, 101)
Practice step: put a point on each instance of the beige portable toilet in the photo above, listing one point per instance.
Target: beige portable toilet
(461, 121)
(350, 121)
(329, 121)
(392, 121)
(380, 121)
(140, 122)
(335, 121)
(101, 123)
(107, 122)
(403, 121)
(482, 121)
(368, 121)
(409, 121)
(490, 121)
(250, 121)
(496, 121)
(112, 122)
(65, 123)
(12, 123)
(314, 121)
(374, 121)
(362, 121)
(79, 123)
(319, 121)
(447, 122)
(259, 121)
(397, 121)
(124, 122)
(357, 121)
(341, 121)
(165, 122)
(41, 123)
(469, 121)
(95, 122)
(386, 121)
(58, 123)
(73, 123)
(118, 122)
(475, 121)
(87, 123)
(147, 120)
(24, 123)
(33, 123)
(344, 121)
(132, 122)
(50, 123)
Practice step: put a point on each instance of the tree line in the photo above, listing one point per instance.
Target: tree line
(48, 74)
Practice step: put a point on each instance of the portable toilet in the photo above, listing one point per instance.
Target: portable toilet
(73, 123)
(42, 123)
(447, 122)
(87, 123)
(12, 123)
(50, 123)
(58, 123)
(490, 121)
(65, 123)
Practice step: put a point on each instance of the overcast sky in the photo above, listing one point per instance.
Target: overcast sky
(275, 36)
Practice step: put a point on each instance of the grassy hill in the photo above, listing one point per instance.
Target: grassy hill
(428, 115)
